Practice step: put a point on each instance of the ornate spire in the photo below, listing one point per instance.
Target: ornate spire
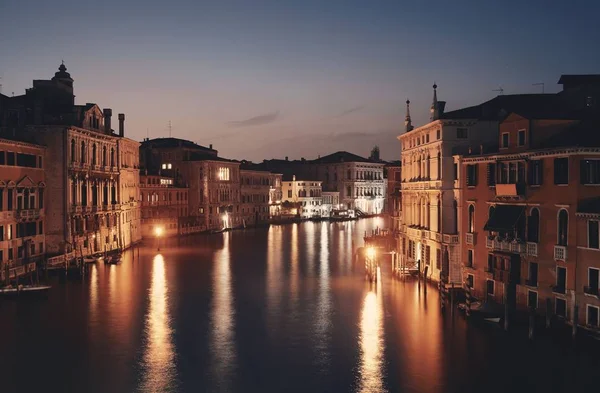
(434, 105)
(407, 121)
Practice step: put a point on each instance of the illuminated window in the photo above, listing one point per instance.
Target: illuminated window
(164, 166)
(169, 166)
(223, 173)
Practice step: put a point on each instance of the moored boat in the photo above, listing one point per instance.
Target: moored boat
(24, 290)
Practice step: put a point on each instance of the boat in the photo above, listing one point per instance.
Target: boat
(493, 320)
(217, 231)
(89, 259)
(24, 290)
(487, 310)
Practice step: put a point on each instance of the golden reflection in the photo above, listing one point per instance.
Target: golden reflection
(274, 273)
(294, 275)
(158, 363)
(222, 318)
(371, 341)
(93, 293)
(323, 317)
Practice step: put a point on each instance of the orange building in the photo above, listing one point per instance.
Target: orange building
(524, 242)
(22, 202)
(164, 205)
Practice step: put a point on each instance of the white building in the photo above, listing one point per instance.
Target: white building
(331, 200)
(359, 181)
(430, 199)
(307, 194)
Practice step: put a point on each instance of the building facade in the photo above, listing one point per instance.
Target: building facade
(85, 195)
(164, 205)
(255, 190)
(129, 190)
(394, 194)
(22, 207)
(430, 196)
(306, 195)
(275, 194)
(331, 201)
(529, 233)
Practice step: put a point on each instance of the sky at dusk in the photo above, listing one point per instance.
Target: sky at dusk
(263, 79)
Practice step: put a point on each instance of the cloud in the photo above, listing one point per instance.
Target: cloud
(351, 110)
(255, 121)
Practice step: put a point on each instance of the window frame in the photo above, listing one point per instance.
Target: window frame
(587, 314)
(588, 234)
(519, 133)
(502, 146)
(556, 181)
(493, 293)
(537, 299)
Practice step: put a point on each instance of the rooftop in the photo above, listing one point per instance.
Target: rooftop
(175, 142)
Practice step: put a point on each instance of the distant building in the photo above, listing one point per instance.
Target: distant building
(305, 194)
(275, 194)
(255, 192)
(91, 171)
(331, 201)
(394, 193)
(164, 205)
(213, 182)
(22, 207)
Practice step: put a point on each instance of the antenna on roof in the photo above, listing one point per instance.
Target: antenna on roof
(500, 89)
(539, 84)
(170, 128)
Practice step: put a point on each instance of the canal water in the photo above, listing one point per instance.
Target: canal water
(283, 309)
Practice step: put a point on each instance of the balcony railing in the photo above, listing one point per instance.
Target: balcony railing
(517, 247)
(29, 213)
(489, 243)
(532, 249)
(560, 253)
(559, 289)
(470, 238)
(593, 291)
(451, 239)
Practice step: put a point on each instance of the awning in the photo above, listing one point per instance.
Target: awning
(504, 218)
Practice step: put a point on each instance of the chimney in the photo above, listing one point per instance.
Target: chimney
(107, 120)
(210, 146)
(480, 149)
(286, 158)
(121, 124)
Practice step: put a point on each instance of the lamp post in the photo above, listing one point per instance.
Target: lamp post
(158, 231)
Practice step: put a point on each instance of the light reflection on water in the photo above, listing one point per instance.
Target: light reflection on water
(322, 324)
(159, 368)
(371, 340)
(222, 319)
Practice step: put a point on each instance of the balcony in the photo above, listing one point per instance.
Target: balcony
(29, 213)
(505, 245)
(560, 253)
(517, 247)
(592, 291)
(559, 289)
(450, 239)
(532, 249)
(489, 243)
(471, 238)
(76, 209)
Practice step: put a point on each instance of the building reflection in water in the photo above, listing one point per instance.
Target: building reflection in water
(323, 316)
(294, 271)
(274, 276)
(159, 369)
(371, 341)
(222, 319)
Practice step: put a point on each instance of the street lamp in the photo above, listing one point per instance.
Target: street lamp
(371, 252)
(158, 231)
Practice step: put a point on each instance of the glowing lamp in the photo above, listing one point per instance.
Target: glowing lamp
(371, 252)
(158, 231)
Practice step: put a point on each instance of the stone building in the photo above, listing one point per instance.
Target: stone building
(22, 207)
(331, 201)
(85, 195)
(213, 182)
(529, 223)
(394, 194)
(359, 181)
(305, 194)
(255, 190)
(164, 205)
(275, 194)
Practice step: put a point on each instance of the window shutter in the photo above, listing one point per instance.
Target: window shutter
(489, 174)
(475, 173)
(540, 169)
(583, 172)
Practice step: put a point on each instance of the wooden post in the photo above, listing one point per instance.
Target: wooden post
(531, 322)
(468, 300)
(506, 311)
(452, 299)
(575, 313)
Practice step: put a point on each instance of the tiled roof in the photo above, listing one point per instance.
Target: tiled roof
(340, 156)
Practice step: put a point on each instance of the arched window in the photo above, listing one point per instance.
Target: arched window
(104, 155)
(439, 165)
(428, 215)
(428, 167)
(83, 152)
(491, 211)
(533, 226)
(471, 218)
(112, 157)
(439, 215)
(94, 158)
(419, 168)
(72, 150)
(563, 227)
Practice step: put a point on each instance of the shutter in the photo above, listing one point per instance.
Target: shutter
(489, 174)
(476, 172)
(556, 174)
(583, 172)
(540, 169)
(530, 171)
